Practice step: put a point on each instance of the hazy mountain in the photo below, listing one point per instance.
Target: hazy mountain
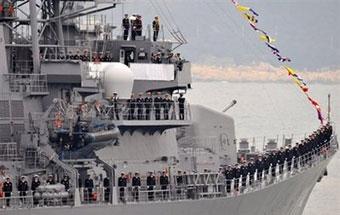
(307, 31)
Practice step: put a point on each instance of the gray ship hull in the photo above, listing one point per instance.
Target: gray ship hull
(288, 197)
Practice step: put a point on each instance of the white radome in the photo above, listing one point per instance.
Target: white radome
(115, 77)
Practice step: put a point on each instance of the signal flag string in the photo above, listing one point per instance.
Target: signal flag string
(252, 17)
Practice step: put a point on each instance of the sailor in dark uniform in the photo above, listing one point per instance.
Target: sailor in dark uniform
(126, 26)
(133, 27)
(150, 182)
(251, 170)
(147, 105)
(229, 176)
(122, 182)
(259, 168)
(281, 159)
(289, 157)
(139, 25)
(157, 103)
(181, 102)
(131, 105)
(266, 166)
(179, 183)
(244, 175)
(164, 182)
(273, 160)
(107, 189)
(66, 183)
(237, 175)
(23, 188)
(88, 185)
(301, 149)
(34, 185)
(7, 188)
(155, 27)
(115, 105)
(140, 104)
(136, 183)
(166, 106)
(50, 180)
(296, 155)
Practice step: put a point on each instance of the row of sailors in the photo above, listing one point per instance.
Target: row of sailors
(85, 57)
(301, 154)
(23, 186)
(291, 156)
(140, 108)
(163, 181)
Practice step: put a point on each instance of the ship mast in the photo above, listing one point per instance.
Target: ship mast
(34, 35)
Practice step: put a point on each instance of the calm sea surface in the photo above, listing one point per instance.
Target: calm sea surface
(270, 109)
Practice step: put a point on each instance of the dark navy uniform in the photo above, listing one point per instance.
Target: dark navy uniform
(23, 187)
(281, 160)
(237, 175)
(122, 182)
(107, 189)
(166, 103)
(289, 157)
(66, 183)
(296, 154)
(273, 160)
(136, 183)
(259, 169)
(266, 166)
(157, 103)
(115, 107)
(181, 101)
(140, 104)
(88, 185)
(244, 173)
(251, 169)
(147, 105)
(132, 105)
(229, 176)
(34, 185)
(139, 26)
(126, 27)
(164, 182)
(150, 182)
(7, 188)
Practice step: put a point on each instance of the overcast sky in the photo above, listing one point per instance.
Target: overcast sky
(307, 31)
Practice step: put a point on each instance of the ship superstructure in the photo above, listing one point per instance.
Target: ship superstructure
(77, 102)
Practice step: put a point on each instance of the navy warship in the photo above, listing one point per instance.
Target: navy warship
(92, 123)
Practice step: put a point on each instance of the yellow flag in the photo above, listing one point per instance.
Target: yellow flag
(267, 38)
(242, 8)
(290, 70)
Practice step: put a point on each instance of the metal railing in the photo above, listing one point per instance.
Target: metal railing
(146, 111)
(27, 83)
(95, 195)
(225, 188)
(192, 187)
(31, 199)
(8, 151)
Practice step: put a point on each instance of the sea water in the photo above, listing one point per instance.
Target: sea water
(271, 109)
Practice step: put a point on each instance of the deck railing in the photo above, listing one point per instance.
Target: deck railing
(146, 111)
(195, 186)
